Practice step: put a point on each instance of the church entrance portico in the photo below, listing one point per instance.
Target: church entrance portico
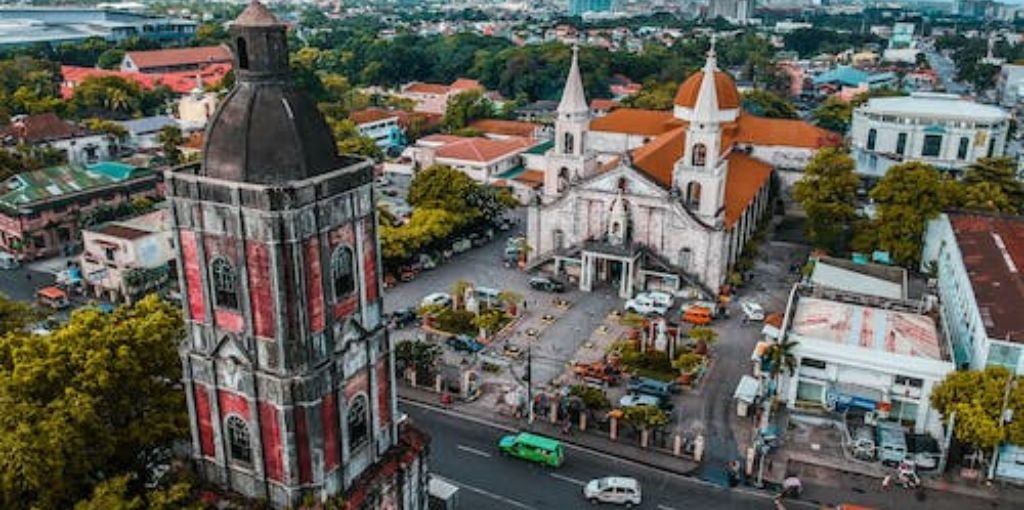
(616, 270)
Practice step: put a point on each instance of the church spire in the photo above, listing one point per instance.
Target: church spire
(574, 100)
(706, 109)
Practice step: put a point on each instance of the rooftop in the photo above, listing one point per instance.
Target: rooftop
(40, 185)
(174, 57)
(872, 329)
(869, 279)
(482, 150)
(505, 127)
(993, 253)
(40, 128)
(936, 105)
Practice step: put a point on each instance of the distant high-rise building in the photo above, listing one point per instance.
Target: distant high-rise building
(579, 7)
(733, 10)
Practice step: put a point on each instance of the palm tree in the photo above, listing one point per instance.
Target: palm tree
(511, 300)
(459, 292)
(781, 359)
(704, 337)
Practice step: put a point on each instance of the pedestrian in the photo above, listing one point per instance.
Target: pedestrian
(886, 482)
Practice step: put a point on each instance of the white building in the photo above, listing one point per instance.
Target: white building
(383, 126)
(122, 260)
(978, 259)
(939, 129)
(485, 160)
(1010, 85)
(642, 198)
(875, 355)
(47, 131)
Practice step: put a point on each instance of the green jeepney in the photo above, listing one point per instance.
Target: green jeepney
(534, 448)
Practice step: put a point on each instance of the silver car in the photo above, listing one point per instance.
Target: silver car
(617, 490)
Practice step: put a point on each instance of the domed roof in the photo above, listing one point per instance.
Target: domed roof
(725, 87)
(266, 131)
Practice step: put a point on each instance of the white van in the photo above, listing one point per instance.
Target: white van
(8, 261)
(437, 299)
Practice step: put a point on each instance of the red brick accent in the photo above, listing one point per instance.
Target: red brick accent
(302, 443)
(205, 425)
(314, 285)
(228, 320)
(358, 383)
(193, 278)
(330, 425)
(233, 403)
(384, 392)
(369, 260)
(261, 297)
(270, 436)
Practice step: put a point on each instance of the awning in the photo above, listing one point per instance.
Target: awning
(747, 389)
(771, 331)
(52, 293)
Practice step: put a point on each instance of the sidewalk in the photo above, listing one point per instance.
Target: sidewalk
(647, 457)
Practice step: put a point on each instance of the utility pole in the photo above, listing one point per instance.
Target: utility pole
(946, 443)
(1010, 383)
(529, 383)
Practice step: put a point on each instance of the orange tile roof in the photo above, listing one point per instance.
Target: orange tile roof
(505, 127)
(658, 158)
(745, 178)
(635, 121)
(372, 115)
(427, 88)
(179, 57)
(728, 95)
(181, 82)
(534, 178)
(482, 149)
(603, 104)
(465, 84)
(786, 132)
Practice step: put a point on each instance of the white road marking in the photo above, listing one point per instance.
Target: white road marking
(663, 507)
(474, 451)
(489, 494)
(571, 480)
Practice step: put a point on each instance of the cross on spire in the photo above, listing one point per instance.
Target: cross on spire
(711, 64)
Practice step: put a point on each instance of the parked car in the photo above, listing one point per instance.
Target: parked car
(547, 284)
(437, 299)
(925, 451)
(662, 298)
(464, 343)
(697, 315)
(639, 399)
(461, 245)
(534, 448)
(864, 443)
(426, 262)
(643, 304)
(403, 318)
(891, 443)
(649, 386)
(513, 351)
(382, 181)
(752, 310)
(616, 490)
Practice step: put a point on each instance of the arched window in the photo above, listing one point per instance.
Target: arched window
(225, 292)
(569, 143)
(872, 137)
(358, 428)
(243, 53)
(700, 154)
(343, 272)
(693, 195)
(238, 440)
(563, 179)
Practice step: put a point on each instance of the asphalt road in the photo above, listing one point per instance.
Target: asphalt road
(465, 453)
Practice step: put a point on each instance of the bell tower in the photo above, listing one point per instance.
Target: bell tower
(288, 369)
(701, 173)
(569, 159)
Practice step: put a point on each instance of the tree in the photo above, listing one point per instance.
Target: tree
(110, 59)
(593, 398)
(833, 114)
(907, 197)
(704, 337)
(767, 104)
(171, 139)
(466, 107)
(645, 417)
(995, 178)
(458, 291)
(15, 315)
(419, 355)
(96, 399)
(780, 359)
(976, 396)
(687, 362)
(350, 141)
(654, 96)
(828, 194)
(489, 321)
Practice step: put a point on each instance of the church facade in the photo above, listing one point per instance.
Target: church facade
(288, 369)
(649, 199)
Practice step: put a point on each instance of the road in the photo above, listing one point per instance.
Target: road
(946, 71)
(465, 453)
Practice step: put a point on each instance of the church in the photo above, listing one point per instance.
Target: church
(289, 371)
(644, 199)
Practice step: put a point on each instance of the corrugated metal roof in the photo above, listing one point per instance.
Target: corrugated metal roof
(29, 187)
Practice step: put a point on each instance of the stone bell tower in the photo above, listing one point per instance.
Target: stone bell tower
(288, 369)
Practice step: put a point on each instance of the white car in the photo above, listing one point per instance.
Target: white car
(644, 304)
(639, 400)
(752, 310)
(437, 299)
(617, 490)
(662, 298)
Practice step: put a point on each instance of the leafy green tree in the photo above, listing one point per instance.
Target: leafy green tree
(828, 194)
(15, 315)
(171, 139)
(419, 355)
(687, 362)
(780, 359)
(833, 114)
(997, 179)
(210, 34)
(350, 141)
(654, 96)
(907, 197)
(976, 396)
(96, 399)
(768, 104)
(593, 398)
(645, 417)
(426, 226)
(466, 107)
(704, 337)
(110, 59)
(489, 321)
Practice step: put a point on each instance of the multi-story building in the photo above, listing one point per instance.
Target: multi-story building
(47, 131)
(1010, 85)
(123, 260)
(41, 211)
(943, 130)
(382, 125)
(24, 26)
(288, 370)
(581, 7)
(733, 10)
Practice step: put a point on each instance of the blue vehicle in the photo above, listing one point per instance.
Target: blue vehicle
(653, 387)
(465, 343)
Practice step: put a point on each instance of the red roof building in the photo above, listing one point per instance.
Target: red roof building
(175, 59)
(180, 82)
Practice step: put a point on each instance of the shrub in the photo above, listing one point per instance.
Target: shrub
(460, 322)
(593, 398)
